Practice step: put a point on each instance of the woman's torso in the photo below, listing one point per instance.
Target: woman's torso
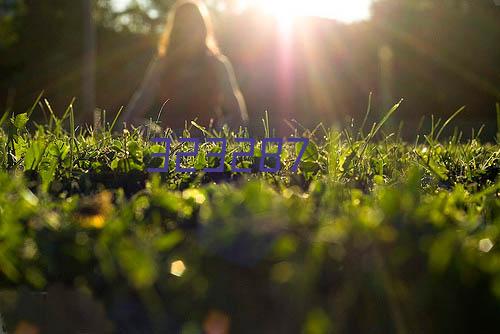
(192, 90)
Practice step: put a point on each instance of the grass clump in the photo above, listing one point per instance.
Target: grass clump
(371, 233)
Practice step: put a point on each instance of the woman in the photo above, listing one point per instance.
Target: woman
(189, 78)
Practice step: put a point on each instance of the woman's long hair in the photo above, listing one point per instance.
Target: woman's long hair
(168, 39)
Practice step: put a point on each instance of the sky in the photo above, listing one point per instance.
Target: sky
(342, 10)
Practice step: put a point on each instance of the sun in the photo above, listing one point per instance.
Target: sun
(342, 10)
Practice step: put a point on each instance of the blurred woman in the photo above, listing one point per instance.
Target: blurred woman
(189, 78)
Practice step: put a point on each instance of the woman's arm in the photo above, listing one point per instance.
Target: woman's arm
(144, 97)
(234, 106)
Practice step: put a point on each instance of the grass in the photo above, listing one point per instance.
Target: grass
(372, 234)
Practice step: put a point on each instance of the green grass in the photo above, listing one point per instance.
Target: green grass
(372, 234)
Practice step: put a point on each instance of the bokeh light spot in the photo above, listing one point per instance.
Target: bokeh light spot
(177, 268)
(485, 245)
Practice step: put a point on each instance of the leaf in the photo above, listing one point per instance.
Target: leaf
(200, 161)
(310, 166)
(157, 148)
(33, 156)
(115, 163)
(169, 241)
(125, 165)
(48, 172)
(20, 120)
(4, 117)
(311, 154)
(134, 149)
(58, 149)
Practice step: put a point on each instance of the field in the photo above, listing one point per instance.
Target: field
(371, 235)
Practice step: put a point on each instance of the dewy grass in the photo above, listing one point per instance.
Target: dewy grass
(369, 224)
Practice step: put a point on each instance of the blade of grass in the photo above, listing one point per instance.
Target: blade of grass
(265, 121)
(374, 132)
(73, 139)
(368, 110)
(116, 119)
(385, 118)
(161, 110)
(201, 128)
(5, 116)
(33, 106)
(47, 104)
(68, 109)
(498, 122)
(455, 114)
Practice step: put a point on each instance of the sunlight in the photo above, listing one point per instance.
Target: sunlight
(120, 5)
(286, 10)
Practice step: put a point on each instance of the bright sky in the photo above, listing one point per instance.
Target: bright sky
(342, 10)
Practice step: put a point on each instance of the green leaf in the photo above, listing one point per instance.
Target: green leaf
(4, 117)
(20, 120)
(169, 241)
(134, 149)
(311, 154)
(33, 156)
(47, 172)
(200, 161)
(58, 149)
(115, 163)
